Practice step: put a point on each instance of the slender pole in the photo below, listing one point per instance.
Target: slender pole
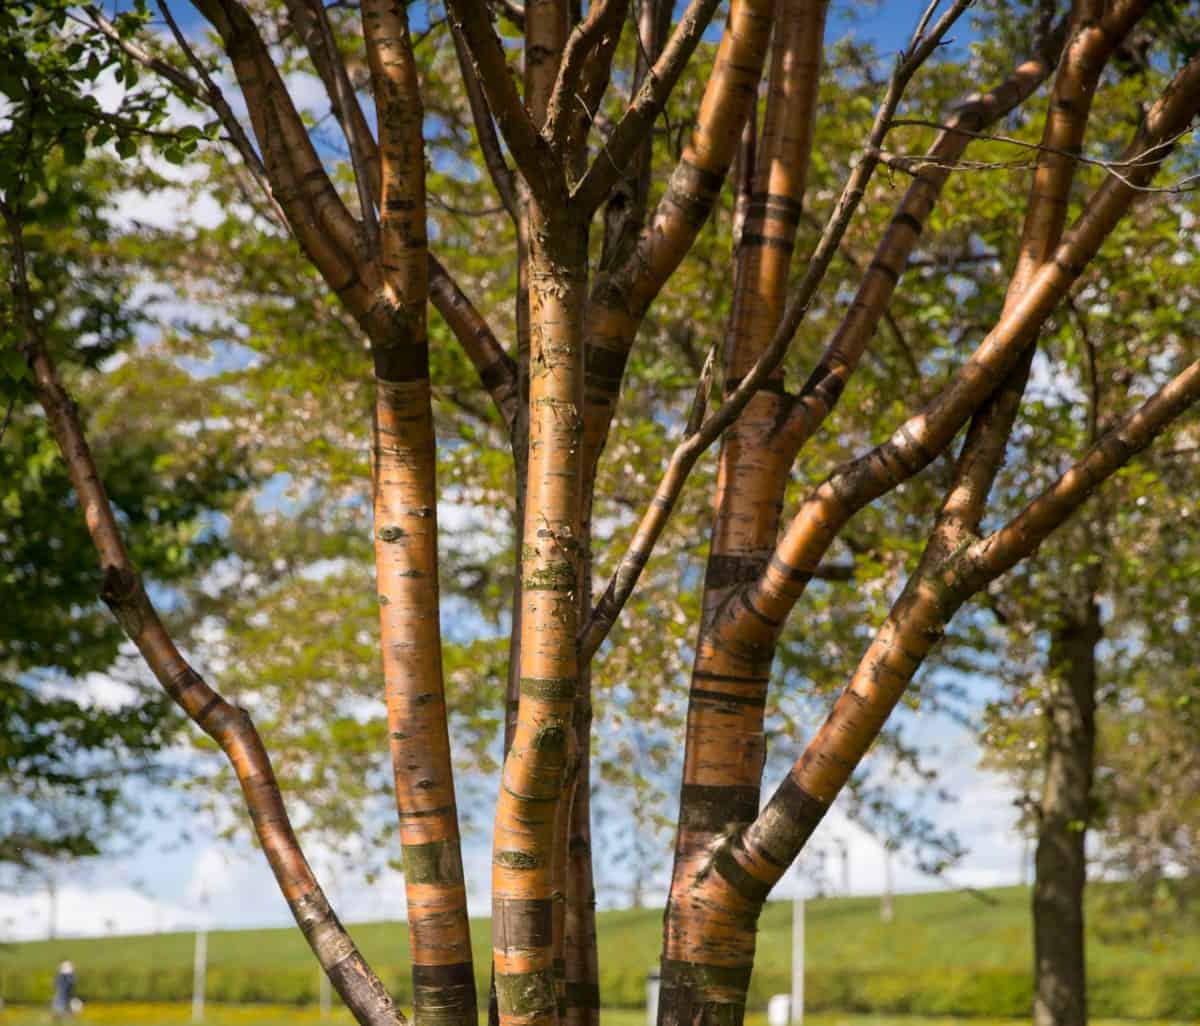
(653, 989)
(797, 1003)
(200, 963)
(52, 893)
(887, 910)
(796, 1006)
(324, 995)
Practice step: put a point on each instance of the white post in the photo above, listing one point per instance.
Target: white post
(323, 991)
(199, 972)
(52, 893)
(887, 911)
(653, 984)
(797, 1004)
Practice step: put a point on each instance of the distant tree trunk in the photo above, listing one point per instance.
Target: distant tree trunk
(1060, 986)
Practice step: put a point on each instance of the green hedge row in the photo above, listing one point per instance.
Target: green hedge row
(981, 992)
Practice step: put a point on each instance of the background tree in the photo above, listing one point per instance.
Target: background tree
(1062, 619)
(68, 753)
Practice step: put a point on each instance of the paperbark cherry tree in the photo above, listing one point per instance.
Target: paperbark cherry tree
(593, 252)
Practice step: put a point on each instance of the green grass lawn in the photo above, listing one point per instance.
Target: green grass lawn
(975, 953)
(930, 931)
(275, 1015)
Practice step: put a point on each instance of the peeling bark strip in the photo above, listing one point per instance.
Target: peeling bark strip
(229, 726)
(532, 815)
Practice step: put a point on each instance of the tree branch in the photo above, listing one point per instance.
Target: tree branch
(631, 276)
(469, 326)
(592, 39)
(485, 128)
(497, 370)
(206, 92)
(536, 160)
(845, 348)
(364, 155)
(230, 727)
(749, 863)
(1003, 549)
(918, 442)
(325, 229)
(625, 576)
(614, 155)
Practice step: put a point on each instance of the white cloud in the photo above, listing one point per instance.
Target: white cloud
(81, 910)
(214, 874)
(168, 207)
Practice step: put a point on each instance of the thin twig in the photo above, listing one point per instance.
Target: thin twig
(913, 164)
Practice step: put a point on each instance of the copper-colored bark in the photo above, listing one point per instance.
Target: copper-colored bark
(619, 299)
(557, 397)
(229, 726)
(745, 866)
(406, 557)
(532, 815)
(724, 745)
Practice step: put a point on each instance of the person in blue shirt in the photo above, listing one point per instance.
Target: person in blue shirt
(64, 992)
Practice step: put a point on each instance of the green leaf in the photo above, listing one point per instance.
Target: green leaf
(13, 364)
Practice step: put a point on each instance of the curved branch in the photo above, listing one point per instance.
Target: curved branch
(497, 370)
(229, 726)
(689, 451)
(594, 37)
(762, 607)
(749, 864)
(485, 127)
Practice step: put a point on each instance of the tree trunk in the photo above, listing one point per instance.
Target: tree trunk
(1060, 990)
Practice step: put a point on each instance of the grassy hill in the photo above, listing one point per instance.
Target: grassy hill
(944, 953)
